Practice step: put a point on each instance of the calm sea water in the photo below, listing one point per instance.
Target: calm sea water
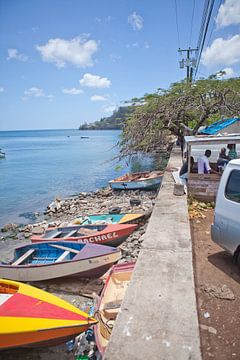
(44, 164)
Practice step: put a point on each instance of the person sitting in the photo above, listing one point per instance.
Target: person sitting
(222, 158)
(183, 173)
(232, 154)
(203, 164)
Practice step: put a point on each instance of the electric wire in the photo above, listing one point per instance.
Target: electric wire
(213, 23)
(190, 39)
(176, 12)
(208, 17)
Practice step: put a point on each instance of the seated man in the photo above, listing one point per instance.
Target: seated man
(183, 173)
(222, 158)
(232, 154)
(203, 164)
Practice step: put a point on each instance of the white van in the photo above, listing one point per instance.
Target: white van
(226, 227)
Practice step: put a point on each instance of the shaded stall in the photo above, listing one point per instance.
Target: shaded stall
(204, 187)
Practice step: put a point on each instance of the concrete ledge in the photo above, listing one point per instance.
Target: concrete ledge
(158, 318)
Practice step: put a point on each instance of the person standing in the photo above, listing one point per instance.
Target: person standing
(203, 163)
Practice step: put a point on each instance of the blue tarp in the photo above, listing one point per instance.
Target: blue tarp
(218, 125)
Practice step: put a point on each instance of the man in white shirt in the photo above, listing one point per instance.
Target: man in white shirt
(203, 163)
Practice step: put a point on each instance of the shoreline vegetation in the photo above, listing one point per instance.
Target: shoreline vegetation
(113, 122)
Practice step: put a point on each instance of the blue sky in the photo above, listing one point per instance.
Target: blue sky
(66, 62)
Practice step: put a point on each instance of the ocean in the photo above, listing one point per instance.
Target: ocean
(41, 165)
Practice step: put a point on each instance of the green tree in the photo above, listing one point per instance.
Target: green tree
(165, 113)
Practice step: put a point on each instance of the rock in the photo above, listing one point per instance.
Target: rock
(223, 292)
(9, 227)
(38, 230)
(210, 329)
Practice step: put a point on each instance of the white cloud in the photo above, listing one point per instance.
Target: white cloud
(229, 13)
(78, 51)
(34, 91)
(72, 91)
(222, 52)
(109, 108)
(229, 73)
(50, 97)
(136, 21)
(14, 54)
(115, 58)
(2, 89)
(146, 45)
(95, 81)
(98, 98)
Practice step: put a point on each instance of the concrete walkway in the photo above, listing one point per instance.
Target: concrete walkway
(158, 317)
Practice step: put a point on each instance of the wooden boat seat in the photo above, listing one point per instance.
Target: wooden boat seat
(69, 234)
(63, 256)
(23, 257)
(66, 248)
(57, 233)
(111, 309)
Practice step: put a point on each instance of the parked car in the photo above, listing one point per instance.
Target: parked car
(225, 230)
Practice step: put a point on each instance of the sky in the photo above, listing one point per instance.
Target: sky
(67, 62)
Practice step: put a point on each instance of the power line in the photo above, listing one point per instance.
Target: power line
(202, 39)
(176, 12)
(213, 24)
(190, 39)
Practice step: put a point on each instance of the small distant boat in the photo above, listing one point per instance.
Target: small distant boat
(84, 137)
(110, 302)
(30, 317)
(141, 180)
(52, 260)
(112, 235)
(98, 219)
(2, 154)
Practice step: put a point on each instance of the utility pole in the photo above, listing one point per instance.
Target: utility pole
(189, 63)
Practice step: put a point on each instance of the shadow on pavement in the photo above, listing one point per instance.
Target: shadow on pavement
(224, 262)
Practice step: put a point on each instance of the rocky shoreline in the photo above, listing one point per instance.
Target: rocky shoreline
(61, 211)
(80, 293)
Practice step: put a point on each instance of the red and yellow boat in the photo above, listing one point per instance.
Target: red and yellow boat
(30, 317)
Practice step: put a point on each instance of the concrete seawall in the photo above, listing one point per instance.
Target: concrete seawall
(158, 317)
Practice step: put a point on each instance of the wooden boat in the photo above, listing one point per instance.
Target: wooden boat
(112, 235)
(141, 180)
(51, 260)
(30, 317)
(2, 154)
(98, 219)
(110, 303)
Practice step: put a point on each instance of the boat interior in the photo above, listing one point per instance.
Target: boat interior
(70, 231)
(111, 302)
(139, 176)
(46, 253)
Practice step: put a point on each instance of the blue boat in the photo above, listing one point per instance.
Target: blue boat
(141, 180)
(59, 259)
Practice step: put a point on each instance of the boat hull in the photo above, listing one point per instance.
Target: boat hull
(122, 218)
(149, 184)
(113, 291)
(148, 180)
(30, 317)
(114, 235)
(91, 266)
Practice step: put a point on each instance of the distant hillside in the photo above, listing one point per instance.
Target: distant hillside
(113, 122)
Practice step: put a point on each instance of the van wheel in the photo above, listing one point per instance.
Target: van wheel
(236, 258)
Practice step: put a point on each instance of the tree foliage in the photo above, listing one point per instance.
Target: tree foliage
(162, 114)
(113, 122)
